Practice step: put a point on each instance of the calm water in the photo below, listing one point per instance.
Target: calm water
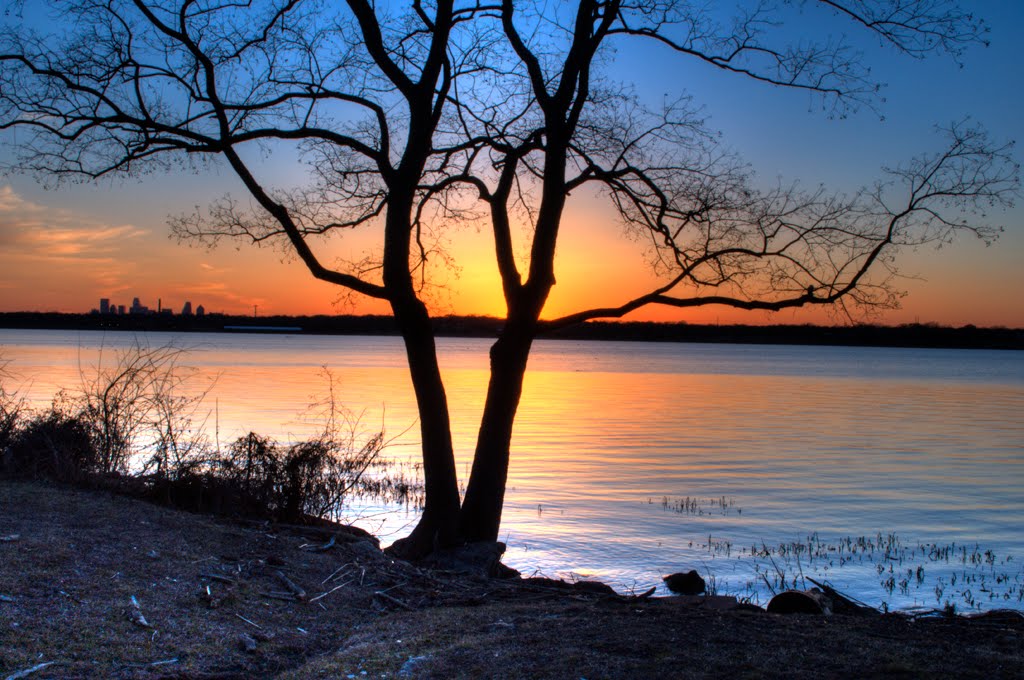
(632, 460)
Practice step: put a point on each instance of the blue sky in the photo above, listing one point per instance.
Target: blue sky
(118, 237)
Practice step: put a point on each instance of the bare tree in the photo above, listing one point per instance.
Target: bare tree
(416, 116)
(714, 237)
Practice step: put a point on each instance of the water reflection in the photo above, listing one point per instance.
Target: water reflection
(832, 442)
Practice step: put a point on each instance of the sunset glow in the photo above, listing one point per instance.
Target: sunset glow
(64, 247)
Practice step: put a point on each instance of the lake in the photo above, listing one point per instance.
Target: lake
(897, 475)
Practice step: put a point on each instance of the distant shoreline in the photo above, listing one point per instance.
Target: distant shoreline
(910, 335)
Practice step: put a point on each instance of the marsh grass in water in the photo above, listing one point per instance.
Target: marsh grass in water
(933, 576)
(698, 506)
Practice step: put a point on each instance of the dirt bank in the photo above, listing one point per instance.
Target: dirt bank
(103, 586)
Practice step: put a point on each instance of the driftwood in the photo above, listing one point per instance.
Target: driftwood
(843, 604)
(29, 671)
(644, 595)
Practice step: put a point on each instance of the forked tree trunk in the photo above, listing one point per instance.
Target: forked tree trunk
(480, 517)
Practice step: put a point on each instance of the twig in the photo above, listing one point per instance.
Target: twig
(393, 600)
(336, 572)
(70, 596)
(29, 671)
(322, 595)
(318, 548)
(295, 589)
(251, 623)
(285, 597)
(644, 595)
(218, 577)
(152, 663)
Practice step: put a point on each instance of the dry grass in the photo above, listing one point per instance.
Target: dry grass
(81, 556)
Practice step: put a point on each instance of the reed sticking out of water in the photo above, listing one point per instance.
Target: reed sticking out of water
(958, 575)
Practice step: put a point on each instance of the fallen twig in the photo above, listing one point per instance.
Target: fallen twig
(29, 671)
(219, 577)
(70, 596)
(644, 595)
(298, 592)
(319, 548)
(285, 597)
(164, 662)
(251, 623)
(322, 595)
(336, 572)
(393, 600)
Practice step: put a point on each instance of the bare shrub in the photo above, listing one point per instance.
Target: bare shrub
(138, 405)
(136, 400)
(56, 444)
(12, 409)
(177, 425)
(259, 477)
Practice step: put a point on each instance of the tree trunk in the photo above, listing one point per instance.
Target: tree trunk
(438, 525)
(480, 517)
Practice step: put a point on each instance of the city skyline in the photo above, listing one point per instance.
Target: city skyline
(106, 307)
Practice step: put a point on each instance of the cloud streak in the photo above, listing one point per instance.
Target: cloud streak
(33, 231)
(41, 246)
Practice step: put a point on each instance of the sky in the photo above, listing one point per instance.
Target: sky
(63, 248)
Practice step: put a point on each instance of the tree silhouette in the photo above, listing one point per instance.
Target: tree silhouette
(413, 117)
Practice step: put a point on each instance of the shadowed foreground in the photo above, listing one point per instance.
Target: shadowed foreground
(217, 599)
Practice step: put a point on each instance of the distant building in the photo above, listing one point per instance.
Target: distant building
(187, 309)
(137, 307)
(104, 305)
(200, 311)
(121, 310)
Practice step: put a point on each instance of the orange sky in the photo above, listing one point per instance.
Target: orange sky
(63, 249)
(65, 260)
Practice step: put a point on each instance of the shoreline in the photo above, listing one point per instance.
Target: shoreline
(863, 335)
(100, 585)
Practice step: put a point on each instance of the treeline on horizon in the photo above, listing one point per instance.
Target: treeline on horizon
(907, 335)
